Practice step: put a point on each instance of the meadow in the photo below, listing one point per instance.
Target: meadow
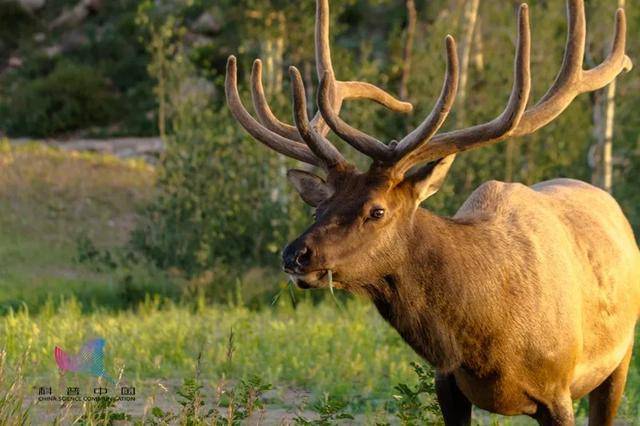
(323, 358)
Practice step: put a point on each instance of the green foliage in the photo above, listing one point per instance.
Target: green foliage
(191, 400)
(102, 411)
(71, 97)
(233, 407)
(17, 23)
(244, 399)
(331, 410)
(222, 196)
(14, 408)
(65, 219)
(353, 356)
(417, 405)
(107, 44)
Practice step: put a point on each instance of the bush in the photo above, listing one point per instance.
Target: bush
(70, 97)
(223, 197)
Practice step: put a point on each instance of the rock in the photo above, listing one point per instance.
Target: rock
(197, 92)
(52, 51)
(76, 15)
(15, 62)
(197, 39)
(72, 40)
(31, 5)
(207, 23)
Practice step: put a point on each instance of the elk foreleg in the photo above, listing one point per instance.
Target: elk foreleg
(456, 408)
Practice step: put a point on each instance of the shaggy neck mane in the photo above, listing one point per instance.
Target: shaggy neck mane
(434, 300)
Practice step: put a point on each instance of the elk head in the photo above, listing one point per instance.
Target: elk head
(363, 217)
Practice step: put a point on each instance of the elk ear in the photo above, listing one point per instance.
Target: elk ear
(428, 179)
(313, 189)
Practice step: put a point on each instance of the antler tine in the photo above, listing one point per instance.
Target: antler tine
(455, 141)
(323, 64)
(436, 118)
(565, 89)
(616, 62)
(362, 90)
(572, 80)
(502, 126)
(273, 140)
(334, 91)
(263, 111)
(371, 146)
(285, 138)
(361, 141)
(320, 146)
(323, 45)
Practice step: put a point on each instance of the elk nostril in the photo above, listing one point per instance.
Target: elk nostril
(303, 257)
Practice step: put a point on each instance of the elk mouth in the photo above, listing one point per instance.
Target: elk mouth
(313, 279)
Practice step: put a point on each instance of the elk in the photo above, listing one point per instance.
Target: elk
(524, 300)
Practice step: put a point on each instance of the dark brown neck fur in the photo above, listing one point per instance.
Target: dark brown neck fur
(418, 299)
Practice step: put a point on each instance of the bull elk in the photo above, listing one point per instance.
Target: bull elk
(523, 301)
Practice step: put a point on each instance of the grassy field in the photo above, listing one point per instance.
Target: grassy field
(52, 203)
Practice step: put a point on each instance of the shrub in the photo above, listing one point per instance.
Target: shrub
(70, 97)
(222, 197)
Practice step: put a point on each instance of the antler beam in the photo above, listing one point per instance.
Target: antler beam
(572, 80)
(402, 152)
(287, 139)
(307, 141)
(273, 140)
(376, 149)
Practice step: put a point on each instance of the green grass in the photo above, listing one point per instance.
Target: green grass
(313, 350)
(51, 200)
(48, 200)
(316, 347)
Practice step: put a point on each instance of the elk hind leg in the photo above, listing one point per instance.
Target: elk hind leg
(560, 413)
(605, 399)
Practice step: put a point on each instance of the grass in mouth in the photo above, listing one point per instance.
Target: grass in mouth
(292, 295)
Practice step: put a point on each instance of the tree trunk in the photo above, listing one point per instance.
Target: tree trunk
(408, 48)
(604, 114)
(279, 53)
(607, 148)
(478, 51)
(595, 153)
(273, 54)
(469, 24)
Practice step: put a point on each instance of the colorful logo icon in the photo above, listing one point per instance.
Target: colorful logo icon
(90, 359)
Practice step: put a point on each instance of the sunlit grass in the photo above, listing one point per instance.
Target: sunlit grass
(48, 199)
(317, 347)
(348, 353)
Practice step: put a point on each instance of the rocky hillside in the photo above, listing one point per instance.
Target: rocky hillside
(79, 68)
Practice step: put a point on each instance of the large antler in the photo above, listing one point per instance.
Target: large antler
(422, 146)
(307, 141)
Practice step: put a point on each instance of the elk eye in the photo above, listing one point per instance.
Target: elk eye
(376, 213)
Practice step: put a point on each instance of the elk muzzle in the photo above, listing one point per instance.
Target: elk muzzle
(296, 257)
(300, 262)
